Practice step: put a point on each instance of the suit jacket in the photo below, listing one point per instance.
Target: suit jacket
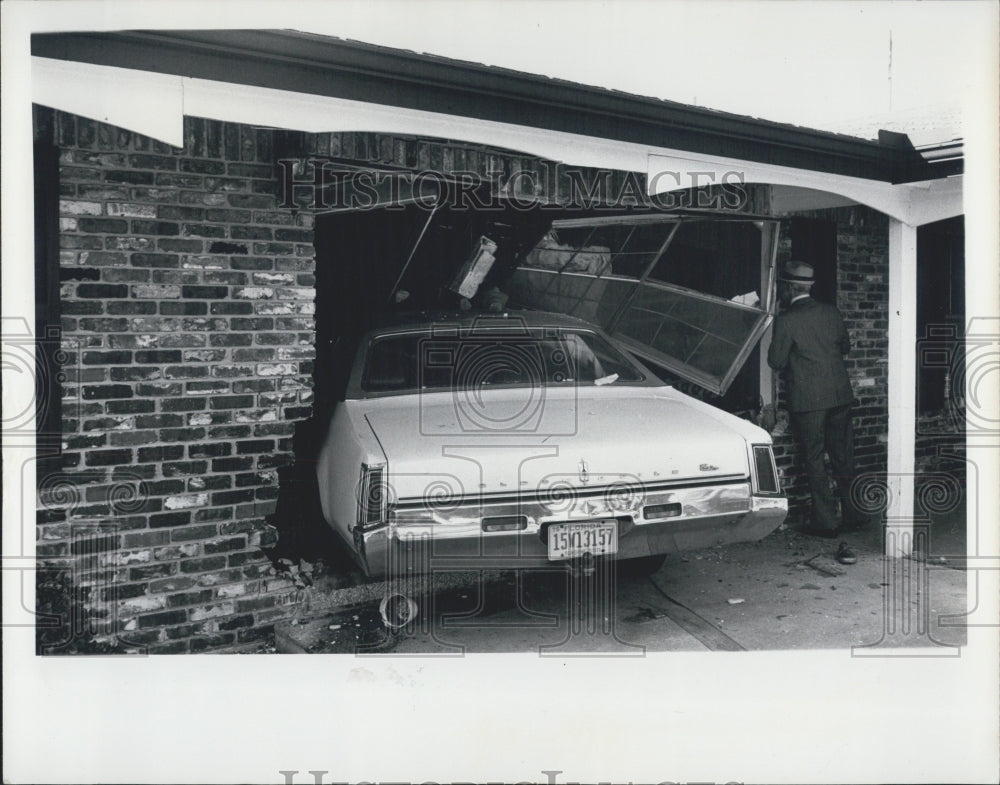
(809, 343)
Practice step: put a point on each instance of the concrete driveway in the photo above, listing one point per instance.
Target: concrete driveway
(785, 592)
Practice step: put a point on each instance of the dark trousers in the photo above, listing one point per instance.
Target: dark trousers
(828, 430)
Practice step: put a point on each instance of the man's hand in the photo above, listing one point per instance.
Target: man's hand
(768, 418)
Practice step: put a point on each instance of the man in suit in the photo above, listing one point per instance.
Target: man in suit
(809, 343)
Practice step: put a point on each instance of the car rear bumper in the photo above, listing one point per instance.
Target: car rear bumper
(419, 539)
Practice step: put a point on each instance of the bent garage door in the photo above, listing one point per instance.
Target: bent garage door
(690, 293)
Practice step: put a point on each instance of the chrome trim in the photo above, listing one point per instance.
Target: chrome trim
(465, 520)
(404, 550)
(581, 493)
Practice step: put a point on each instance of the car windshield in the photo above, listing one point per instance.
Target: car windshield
(476, 357)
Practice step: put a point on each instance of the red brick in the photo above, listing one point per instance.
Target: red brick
(162, 619)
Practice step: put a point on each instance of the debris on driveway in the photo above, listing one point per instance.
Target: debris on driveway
(829, 570)
(333, 633)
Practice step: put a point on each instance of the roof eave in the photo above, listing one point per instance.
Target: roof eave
(305, 63)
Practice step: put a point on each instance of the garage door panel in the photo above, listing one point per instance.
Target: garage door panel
(588, 297)
(640, 325)
(600, 270)
(714, 355)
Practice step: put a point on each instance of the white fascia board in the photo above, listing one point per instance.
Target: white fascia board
(911, 203)
(148, 103)
(318, 114)
(787, 199)
(935, 200)
(155, 104)
(663, 175)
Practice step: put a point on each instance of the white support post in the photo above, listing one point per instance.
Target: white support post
(902, 371)
(768, 253)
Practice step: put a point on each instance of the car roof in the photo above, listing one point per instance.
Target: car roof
(415, 320)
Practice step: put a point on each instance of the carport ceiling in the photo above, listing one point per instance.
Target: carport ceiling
(305, 63)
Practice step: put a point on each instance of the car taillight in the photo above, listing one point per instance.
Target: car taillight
(765, 473)
(372, 496)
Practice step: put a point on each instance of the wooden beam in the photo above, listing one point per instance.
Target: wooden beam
(148, 103)
(914, 203)
(902, 383)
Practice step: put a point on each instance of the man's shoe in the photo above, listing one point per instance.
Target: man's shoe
(815, 531)
(845, 555)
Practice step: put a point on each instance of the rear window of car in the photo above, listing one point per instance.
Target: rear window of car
(477, 358)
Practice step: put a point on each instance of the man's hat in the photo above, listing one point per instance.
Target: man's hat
(797, 272)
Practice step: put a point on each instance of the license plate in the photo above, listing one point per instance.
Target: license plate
(569, 540)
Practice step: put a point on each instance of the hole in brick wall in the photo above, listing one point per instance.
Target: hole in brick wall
(303, 535)
(359, 257)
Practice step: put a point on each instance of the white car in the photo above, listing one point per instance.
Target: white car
(527, 439)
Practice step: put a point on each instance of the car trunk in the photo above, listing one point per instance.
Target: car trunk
(581, 438)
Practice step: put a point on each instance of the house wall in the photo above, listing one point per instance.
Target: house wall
(187, 302)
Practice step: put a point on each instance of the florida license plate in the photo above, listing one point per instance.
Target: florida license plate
(570, 540)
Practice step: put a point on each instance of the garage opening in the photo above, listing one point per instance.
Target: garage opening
(689, 293)
(375, 258)
(373, 263)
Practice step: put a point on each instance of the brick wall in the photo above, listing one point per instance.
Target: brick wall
(507, 170)
(187, 330)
